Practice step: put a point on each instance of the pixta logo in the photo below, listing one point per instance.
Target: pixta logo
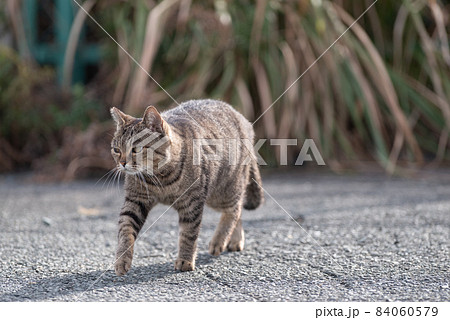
(144, 150)
(227, 150)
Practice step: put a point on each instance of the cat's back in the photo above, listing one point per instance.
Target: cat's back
(209, 117)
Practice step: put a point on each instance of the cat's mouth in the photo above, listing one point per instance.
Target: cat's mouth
(128, 170)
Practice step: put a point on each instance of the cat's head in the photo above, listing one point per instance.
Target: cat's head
(140, 144)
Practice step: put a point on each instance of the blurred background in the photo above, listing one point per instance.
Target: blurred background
(379, 97)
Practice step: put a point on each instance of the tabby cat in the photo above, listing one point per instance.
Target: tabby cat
(188, 179)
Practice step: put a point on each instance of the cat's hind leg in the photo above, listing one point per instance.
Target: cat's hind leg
(229, 220)
(237, 239)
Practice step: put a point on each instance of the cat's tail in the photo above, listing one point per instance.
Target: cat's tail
(254, 194)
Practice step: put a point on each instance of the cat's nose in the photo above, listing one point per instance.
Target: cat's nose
(123, 163)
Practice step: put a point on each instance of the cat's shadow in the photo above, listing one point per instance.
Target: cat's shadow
(80, 284)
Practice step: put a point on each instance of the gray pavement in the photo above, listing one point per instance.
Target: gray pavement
(372, 238)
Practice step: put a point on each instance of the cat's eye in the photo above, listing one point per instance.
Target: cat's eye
(136, 149)
(116, 150)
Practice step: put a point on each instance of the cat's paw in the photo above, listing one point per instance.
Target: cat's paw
(216, 248)
(122, 266)
(184, 265)
(236, 245)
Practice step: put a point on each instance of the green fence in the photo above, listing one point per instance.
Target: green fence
(47, 26)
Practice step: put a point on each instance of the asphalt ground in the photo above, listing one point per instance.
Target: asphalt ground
(351, 238)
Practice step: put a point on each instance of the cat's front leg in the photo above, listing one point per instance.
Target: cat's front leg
(189, 221)
(132, 218)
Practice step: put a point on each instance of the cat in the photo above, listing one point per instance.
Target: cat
(188, 180)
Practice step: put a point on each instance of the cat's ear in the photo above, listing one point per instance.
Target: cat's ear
(153, 120)
(119, 117)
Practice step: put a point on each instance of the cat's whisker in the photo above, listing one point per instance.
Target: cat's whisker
(119, 176)
(107, 175)
(144, 183)
(111, 178)
(156, 183)
(114, 179)
(139, 181)
(108, 180)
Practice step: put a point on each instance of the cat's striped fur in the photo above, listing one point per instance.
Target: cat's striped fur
(182, 183)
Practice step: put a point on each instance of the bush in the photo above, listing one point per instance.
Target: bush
(381, 92)
(34, 112)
